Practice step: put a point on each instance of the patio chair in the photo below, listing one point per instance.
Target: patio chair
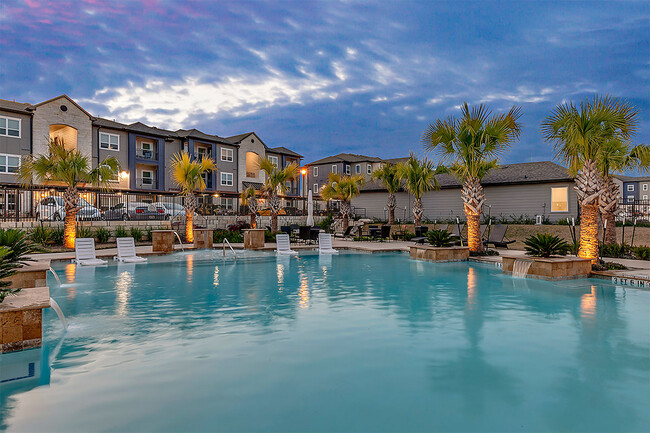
(345, 234)
(283, 244)
(313, 234)
(385, 232)
(286, 230)
(325, 244)
(420, 232)
(126, 251)
(303, 233)
(84, 252)
(498, 237)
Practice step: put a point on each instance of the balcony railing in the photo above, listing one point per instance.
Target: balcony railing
(146, 154)
(146, 183)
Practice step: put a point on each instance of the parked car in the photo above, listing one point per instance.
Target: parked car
(136, 211)
(174, 209)
(53, 209)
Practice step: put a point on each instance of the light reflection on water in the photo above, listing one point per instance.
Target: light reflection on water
(382, 342)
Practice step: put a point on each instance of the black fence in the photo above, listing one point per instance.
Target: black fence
(630, 210)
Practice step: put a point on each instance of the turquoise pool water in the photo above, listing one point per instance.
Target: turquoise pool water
(355, 342)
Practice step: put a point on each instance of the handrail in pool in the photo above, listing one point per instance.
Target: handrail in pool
(225, 241)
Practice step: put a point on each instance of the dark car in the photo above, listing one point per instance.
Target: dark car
(136, 211)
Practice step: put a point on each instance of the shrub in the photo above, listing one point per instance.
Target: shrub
(57, 235)
(136, 233)
(233, 237)
(7, 269)
(483, 253)
(607, 266)
(102, 234)
(19, 244)
(326, 223)
(269, 237)
(642, 253)
(41, 234)
(439, 238)
(239, 226)
(618, 251)
(148, 230)
(546, 245)
(120, 232)
(84, 232)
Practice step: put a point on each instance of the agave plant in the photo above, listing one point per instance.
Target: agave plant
(546, 245)
(15, 245)
(439, 238)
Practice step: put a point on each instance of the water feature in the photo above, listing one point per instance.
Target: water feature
(56, 277)
(59, 312)
(179, 240)
(520, 267)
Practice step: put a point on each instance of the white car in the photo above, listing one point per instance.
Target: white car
(53, 209)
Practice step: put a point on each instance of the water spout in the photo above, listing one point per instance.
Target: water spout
(56, 277)
(179, 241)
(520, 268)
(59, 313)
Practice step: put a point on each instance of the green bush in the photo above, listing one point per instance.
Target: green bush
(41, 234)
(439, 238)
(607, 266)
(7, 269)
(642, 253)
(120, 232)
(269, 237)
(148, 230)
(84, 232)
(618, 251)
(19, 244)
(57, 235)
(484, 253)
(136, 233)
(102, 234)
(233, 236)
(546, 245)
(326, 223)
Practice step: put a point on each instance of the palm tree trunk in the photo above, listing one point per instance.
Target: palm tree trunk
(70, 228)
(189, 225)
(608, 206)
(610, 232)
(346, 210)
(418, 211)
(392, 202)
(274, 222)
(474, 241)
(274, 205)
(473, 199)
(253, 220)
(589, 231)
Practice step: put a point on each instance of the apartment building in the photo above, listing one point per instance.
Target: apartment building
(632, 189)
(343, 164)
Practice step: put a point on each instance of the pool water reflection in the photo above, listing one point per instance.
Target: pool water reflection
(355, 342)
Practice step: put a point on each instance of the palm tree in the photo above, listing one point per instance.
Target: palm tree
(71, 168)
(187, 174)
(343, 188)
(419, 176)
(618, 156)
(276, 183)
(388, 175)
(471, 145)
(249, 198)
(581, 135)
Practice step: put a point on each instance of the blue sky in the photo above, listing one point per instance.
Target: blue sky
(325, 77)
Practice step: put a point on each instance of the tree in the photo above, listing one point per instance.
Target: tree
(275, 184)
(249, 198)
(388, 175)
(343, 188)
(71, 168)
(618, 156)
(419, 176)
(581, 135)
(470, 146)
(187, 174)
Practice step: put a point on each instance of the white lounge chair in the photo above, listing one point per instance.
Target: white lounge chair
(126, 251)
(283, 244)
(84, 252)
(325, 244)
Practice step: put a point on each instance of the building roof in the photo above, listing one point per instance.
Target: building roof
(632, 178)
(69, 100)
(238, 138)
(145, 129)
(106, 123)
(195, 133)
(507, 174)
(284, 151)
(16, 107)
(256, 185)
(346, 157)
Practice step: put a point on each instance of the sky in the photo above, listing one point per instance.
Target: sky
(329, 76)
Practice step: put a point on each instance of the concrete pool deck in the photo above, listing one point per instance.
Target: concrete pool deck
(638, 269)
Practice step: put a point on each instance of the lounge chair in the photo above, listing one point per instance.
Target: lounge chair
(385, 232)
(283, 244)
(420, 234)
(325, 244)
(498, 237)
(345, 234)
(126, 251)
(84, 252)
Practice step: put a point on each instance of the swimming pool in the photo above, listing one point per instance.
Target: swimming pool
(355, 342)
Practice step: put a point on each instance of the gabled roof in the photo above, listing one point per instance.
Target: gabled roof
(105, 123)
(507, 174)
(16, 107)
(195, 133)
(69, 99)
(624, 178)
(346, 157)
(239, 138)
(145, 129)
(284, 151)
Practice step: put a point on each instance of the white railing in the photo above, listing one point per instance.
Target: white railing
(225, 241)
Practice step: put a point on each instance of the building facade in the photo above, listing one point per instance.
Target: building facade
(343, 164)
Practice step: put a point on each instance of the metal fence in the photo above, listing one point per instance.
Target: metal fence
(631, 210)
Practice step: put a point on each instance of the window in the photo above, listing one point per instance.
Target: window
(10, 127)
(226, 179)
(315, 171)
(645, 197)
(645, 186)
(357, 169)
(369, 169)
(560, 199)
(334, 169)
(109, 141)
(274, 160)
(226, 154)
(630, 187)
(347, 168)
(9, 163)
(227, 203)
(630, 198)
(147, 177)
(315, 188)
(252, 164)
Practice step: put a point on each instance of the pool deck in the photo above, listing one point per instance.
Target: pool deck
(638, 269)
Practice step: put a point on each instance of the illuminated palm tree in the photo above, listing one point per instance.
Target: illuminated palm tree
(388, 175)
(249, 198)
(187, 174)
(276, 183)
(71, 168)
(419, 176)
(343, 188)
(471, 146)
(581, 135)
(617, 156)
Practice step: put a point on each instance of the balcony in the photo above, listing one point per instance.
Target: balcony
(202, 156)
(146, 183)
(146, 154)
